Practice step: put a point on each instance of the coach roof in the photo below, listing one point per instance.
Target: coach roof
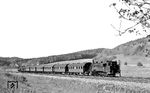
(66, 62)
(60, 65)
(76, 65)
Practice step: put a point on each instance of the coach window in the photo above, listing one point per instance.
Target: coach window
(104, 65)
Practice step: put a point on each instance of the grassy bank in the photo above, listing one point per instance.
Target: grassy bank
(59, 85)
(23, 84)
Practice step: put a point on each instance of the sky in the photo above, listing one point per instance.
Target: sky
(37, 28)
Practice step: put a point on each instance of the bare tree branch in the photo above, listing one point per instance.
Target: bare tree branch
(135, 11)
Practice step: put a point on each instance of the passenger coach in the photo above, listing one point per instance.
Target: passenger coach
(77, 67)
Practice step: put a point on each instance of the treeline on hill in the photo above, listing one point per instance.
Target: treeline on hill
(7, 61)
(12, 61)
(65, 57)
(136, 47)
(4, 63)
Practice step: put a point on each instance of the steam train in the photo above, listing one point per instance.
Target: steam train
(76, 67)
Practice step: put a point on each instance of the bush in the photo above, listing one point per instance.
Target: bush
(125, 63)
(139, 64)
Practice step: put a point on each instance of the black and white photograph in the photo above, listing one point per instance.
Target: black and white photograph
(74, 46)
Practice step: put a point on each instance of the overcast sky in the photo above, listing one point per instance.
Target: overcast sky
(36, 28)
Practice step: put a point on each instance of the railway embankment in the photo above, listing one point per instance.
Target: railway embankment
(61, 84)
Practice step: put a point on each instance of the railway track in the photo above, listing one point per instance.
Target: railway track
(123, 78)
(117, 81)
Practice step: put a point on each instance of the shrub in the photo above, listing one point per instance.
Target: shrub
(125, 63)
(139, 64)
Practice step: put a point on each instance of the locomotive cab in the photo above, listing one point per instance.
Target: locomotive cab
(114, 67)
(106, 68)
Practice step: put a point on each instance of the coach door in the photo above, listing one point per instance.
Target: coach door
(66, 68)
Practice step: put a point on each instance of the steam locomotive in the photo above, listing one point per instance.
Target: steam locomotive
(76, 67)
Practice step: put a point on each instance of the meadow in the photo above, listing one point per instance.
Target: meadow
(135, 71)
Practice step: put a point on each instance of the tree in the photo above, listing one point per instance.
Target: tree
(135, 11)
(139, 64)
(125, 63)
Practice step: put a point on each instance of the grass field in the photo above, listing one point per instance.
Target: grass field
(41, 84)
(23, 86)
(57, 84)
(135, 71)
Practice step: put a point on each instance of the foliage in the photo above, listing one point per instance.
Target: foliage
(125, 63)
(71, 56)
(135, 11)
(11, 61)
(7, 61)
(139, 64)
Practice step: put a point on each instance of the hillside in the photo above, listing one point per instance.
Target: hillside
(131, 52)
(65, 57)
(14, 61)
(10, 61)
